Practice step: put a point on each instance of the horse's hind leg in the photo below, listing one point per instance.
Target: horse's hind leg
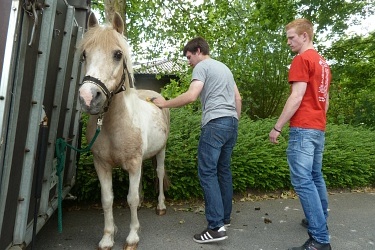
(105, 178)
(133, 201)
(140, 189)
(160, 170)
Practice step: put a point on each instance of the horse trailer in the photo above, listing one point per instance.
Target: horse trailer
(40, 73)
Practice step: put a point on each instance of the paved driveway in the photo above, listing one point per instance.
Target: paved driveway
(267, 225)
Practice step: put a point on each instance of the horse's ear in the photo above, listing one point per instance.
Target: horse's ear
(92, 22)
(117, 23)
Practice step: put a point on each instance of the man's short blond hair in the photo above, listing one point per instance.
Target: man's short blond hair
(302, 25)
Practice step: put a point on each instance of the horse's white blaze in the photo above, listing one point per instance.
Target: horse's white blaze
(133, 129)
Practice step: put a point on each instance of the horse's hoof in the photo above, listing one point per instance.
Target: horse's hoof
(130, 247)
(161, 211)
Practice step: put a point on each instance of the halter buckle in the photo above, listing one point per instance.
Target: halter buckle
(99, 122)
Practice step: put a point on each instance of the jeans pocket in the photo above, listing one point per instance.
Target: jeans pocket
(305, 141)
(217, 134)
(294, 141)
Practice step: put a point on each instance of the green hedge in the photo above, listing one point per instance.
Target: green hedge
(349, 160)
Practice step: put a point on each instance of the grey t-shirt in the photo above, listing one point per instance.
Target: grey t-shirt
(217, 96)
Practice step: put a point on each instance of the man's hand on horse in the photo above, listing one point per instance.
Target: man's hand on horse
(158, 101)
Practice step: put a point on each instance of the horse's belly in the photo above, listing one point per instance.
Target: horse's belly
(154, 144)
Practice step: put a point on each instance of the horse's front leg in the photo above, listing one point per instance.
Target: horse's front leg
(133, 201)
(105, 178)
(160, 170)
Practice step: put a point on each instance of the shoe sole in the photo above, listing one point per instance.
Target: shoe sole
(210, 240)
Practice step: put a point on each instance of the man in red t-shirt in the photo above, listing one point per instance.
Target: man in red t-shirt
(305, 109)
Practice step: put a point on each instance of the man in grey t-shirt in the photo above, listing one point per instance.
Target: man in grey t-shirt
(221, 108)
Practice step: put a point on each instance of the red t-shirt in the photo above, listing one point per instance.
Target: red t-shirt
(311, 68)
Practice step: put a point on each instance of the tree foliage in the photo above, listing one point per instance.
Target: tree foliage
(247, 35)
(352, 98)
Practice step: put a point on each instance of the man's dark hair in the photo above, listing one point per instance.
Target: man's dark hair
(195, 43)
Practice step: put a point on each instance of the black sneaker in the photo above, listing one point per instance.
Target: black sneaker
(210, 235)
(312, 244)
(305, 223)
(227, 223)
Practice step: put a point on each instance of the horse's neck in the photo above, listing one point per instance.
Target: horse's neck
(123, 105)
(121, 112)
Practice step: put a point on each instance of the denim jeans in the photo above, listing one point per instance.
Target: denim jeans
(216, 144)
(305, 156)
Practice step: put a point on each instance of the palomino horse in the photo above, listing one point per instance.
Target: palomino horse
(132, 129)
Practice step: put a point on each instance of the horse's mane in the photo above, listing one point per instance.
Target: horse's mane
(106, 37)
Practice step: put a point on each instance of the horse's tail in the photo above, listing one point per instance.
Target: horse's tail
(166, 181)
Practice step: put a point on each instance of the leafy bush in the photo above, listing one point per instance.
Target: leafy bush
(349, 160)
(353, 108)
(256, 163)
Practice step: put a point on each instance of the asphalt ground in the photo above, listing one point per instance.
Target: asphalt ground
(267, 223)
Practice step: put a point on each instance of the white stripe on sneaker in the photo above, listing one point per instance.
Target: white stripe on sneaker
(207, 236)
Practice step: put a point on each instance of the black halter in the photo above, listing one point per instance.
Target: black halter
(109, 94)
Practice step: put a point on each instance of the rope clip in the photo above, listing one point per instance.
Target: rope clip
(99, 123)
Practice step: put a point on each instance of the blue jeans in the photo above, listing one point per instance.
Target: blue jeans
(216, 144)
(305, 156)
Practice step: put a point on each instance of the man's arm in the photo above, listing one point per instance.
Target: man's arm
(238, 100)
(185, 98)
(290, 108)
(327, 103)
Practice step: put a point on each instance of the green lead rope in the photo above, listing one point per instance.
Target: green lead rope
(60, 153)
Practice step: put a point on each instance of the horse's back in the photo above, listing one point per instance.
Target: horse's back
(146, 95)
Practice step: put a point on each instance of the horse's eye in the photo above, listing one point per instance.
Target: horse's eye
(117, 55)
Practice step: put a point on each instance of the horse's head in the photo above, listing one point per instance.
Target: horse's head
(107, 62)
